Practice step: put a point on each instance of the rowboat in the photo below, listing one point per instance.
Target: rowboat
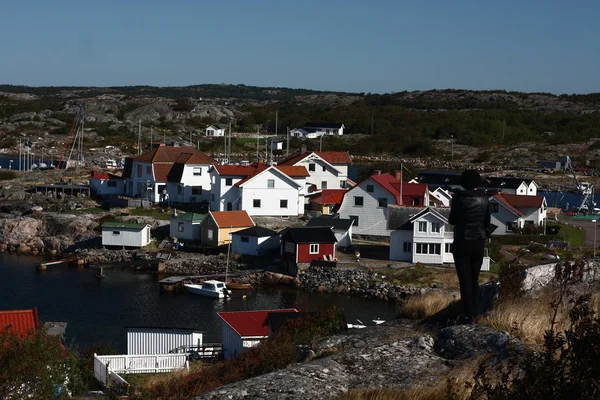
(238, 286)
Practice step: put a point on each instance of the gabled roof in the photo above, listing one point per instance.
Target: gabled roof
(250, 323)
(288, 171)
(401, 217)
(329, 196)
(218, 126)
(255, 231)
(431, 210)
(330, 125)
(168, 154)
(392, 185)
(341, 224)
(501, 200)
(515, 202)
(231, 219)
(123, 225)
(189, 216)
(103, 175)
(235, 170)
(161, 171)
(332, 157)
(503, 183)
(309, 235)
(20, 321)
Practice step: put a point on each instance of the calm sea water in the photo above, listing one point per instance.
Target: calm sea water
(99, 310)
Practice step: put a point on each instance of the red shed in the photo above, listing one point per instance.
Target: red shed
(303, 245)
(21, 322)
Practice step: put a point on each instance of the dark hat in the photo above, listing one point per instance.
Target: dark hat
(470, 179)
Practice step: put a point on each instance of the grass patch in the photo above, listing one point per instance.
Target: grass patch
(572, 234)
(7, 175)
(155, 212)
(421, 276)
(423, 306)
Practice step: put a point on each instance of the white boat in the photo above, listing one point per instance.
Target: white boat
(209, 288)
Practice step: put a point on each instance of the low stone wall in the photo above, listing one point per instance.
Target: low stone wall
(540, 276)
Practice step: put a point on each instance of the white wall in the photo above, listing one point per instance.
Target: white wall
(188, 179)
(257, 188)
(191, 231)
(127, 237)
(255, 245)
(160, 341)
(331, 176)
(501, 218)
(101, 186)
(372, 219)
(344, 238)
(397, 240)
(221, 194)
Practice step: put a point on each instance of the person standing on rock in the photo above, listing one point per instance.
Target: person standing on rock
(470, 215)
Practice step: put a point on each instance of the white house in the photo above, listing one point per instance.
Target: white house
(259, 189)
(326, 169)
(176, 174)
(241, 330)
(216, 130)
(451, 180)
(106, 184)
(441, 196)
(511, 212)
(125, 234)
(299, 132)
(186, 226)
(151, 340)
(367, 203)
(255, 241)
(342, 228)
(424, 236)
(325, 128)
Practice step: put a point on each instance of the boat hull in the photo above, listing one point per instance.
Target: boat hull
(197, 289)
(239, 286)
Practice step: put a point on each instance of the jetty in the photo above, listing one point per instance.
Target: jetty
(72, 260)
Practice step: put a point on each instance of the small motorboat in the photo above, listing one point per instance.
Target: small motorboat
(210, 288)
(238, 286)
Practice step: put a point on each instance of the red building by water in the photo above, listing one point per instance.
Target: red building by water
(303, 245)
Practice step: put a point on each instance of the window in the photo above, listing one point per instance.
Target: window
(112, 183)
(209, 222)
(358, 201)
(256, 203)
(271, 183)
(245, 239)
(435, 227)
(283, 203)
(196, 189)
(448, 248)
(180, 227)
(324, 168)
(210, 234)
(493, 208)
(323, 184)
(422, 226)
(421, 248)
(311, 167)
(314, 248)
(342, 184)
(407, 247)
(355, 219)
(429, 248)
(382, 202)
(435, 248)
(197, 171)
(370, 188)
(149, 170)
(139, 170)
(116, 232)
(228, 181)
(289, 247)
(415, 202)
(510, 226)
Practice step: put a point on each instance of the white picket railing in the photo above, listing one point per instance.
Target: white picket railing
(141, 364)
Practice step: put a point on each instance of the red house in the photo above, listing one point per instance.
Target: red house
(305, 244)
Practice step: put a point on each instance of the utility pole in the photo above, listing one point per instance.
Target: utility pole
(257, 146)
(503, 126)
(401, 172)
(20, 153)
(371, 125)
(151, 127)
(140, 136)
(287, 149)
(452, 147)
(276, 114)
(229, 155)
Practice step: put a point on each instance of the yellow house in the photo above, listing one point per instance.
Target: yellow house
(217, 226)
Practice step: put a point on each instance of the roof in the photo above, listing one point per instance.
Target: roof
(250, 323)
(332, 157)
(255, 231)
(189, 216)
(103, 175)
(312, 234)
(500, 199)
(524, 201)
(392, 185)
(176, 171)
(329, 196)
(341, 224)
(161, 171)
(443, 215)
(171, 154)
(290, 171)
(123, 225)
(503, 183)
(312, 125)
(219, 126)
(401, 217)
(20, 321)
(233, 219)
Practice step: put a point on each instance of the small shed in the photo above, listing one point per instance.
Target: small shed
(160, 340)
(218, 225)
(244, 329)
(254, 241)
(186, 226)
(303, 245)
(342, 228)
(125, 234)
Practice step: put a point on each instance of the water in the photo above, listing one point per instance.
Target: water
(565, 200)
(5, 162)
(99, 310)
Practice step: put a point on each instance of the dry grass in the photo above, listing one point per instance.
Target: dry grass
(139, 381)
(421, 276)
(427, 305)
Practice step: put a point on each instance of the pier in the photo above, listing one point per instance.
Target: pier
(72, 260)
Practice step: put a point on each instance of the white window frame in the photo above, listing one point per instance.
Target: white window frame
(254, 203)
(314, 248)
(436, 227)
(270, 183)
(422, 226)
(197, 171)
(281, 204)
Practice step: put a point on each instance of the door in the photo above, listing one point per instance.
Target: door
(229, 206)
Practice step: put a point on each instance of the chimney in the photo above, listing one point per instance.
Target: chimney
(303, 149)
(377, 172)
(399, 175)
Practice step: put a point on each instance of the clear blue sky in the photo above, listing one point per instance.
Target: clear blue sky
(346, 45)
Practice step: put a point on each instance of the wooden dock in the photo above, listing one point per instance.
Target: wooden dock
(72, 260)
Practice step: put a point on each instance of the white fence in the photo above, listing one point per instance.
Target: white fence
(107, 368)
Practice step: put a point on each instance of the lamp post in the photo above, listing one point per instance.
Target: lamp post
(10, 164)
(594, 221)
(452, 147)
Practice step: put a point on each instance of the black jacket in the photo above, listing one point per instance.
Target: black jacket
(470, 214)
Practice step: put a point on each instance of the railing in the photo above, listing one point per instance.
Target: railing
(141, 364)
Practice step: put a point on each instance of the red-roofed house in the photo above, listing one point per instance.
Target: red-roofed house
(21, 322)
(259, 189)
(244, 329)
(367, 202)
(327, 169)
(217, 225)
(174, 174)
(106, 184)
(327, 201)
(512, 212)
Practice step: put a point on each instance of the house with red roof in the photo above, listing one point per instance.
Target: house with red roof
(511, 212)
(241, 330)
(367, 203)
(174, 174)
(106, 184)
(22, 322)
(326, 169)
(260, 189)
(218, 226)
(327, 201)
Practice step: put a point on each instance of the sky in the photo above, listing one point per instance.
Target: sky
(376, 46)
